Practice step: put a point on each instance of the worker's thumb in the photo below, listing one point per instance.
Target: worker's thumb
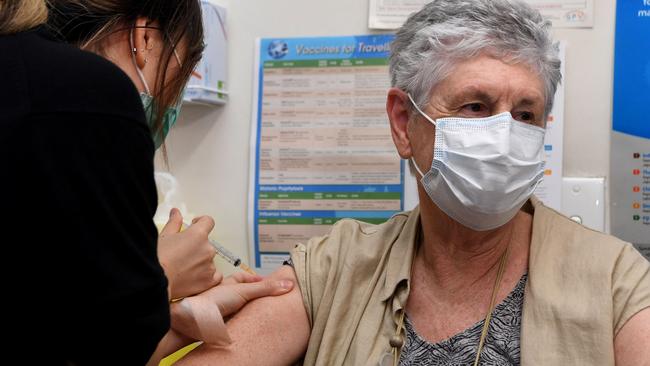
(174, 224)
(254, 290)
(231, 298)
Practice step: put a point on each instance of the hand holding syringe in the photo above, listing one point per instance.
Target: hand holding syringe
(227, 255)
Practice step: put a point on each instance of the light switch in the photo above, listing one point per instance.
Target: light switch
(576, 218)
(583, 200)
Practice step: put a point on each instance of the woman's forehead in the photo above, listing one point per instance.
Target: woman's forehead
(486, 77)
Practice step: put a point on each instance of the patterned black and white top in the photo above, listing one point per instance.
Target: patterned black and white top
(501, 345)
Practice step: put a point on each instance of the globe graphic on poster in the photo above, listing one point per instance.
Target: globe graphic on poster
(278, 49)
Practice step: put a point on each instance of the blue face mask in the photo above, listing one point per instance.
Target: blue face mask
(151, 109)
(168, 120)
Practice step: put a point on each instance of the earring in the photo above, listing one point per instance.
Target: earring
(135, 50)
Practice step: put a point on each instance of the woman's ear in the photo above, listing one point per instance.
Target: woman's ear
(397, 107)
(142, 41)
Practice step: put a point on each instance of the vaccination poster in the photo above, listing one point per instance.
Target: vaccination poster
(321, 147)
(630, 155)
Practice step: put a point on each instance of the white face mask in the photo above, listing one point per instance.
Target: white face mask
(483, 169)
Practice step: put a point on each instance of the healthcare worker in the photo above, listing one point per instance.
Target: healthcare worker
(87, 279)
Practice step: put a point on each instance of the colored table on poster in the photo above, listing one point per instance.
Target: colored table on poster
(630, 155)
(321, 147)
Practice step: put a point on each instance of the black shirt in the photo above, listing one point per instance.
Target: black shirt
(82, 282)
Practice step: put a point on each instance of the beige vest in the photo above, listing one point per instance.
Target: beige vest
(582, 287)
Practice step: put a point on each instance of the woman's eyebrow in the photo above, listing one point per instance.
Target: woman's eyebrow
(528, 101)
(471, 93)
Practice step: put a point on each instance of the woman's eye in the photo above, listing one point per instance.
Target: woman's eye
(475, 109)
(525, 116)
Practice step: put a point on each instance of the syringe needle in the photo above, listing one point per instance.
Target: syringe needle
(248, 269)
(227, 255)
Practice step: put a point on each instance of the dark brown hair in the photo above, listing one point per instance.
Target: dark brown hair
(88, 22)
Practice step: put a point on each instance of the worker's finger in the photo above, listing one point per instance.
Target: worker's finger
(242, 277)
(204, 224)
(242, 293)
(254, 290)
(174, 224)
(217, 278)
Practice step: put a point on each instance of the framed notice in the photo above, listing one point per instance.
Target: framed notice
(391, 14)
(566, 13)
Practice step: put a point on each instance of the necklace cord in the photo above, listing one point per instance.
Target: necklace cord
(495, 290)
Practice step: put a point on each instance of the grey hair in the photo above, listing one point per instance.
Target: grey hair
(428, 46)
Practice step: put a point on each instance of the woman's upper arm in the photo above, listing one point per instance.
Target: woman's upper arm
(632, 343)
(268, 331)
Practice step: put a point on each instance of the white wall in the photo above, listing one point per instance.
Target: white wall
(588, 100)
(209, 148)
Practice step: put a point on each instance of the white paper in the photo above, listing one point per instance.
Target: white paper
(391, 14)
(566, 13)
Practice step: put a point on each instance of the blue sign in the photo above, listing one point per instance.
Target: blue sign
(630, 151)
(632, 68)
(326, 48)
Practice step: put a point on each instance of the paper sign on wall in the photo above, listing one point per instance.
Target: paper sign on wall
(391, 14)
(321, 143)
(566, 13)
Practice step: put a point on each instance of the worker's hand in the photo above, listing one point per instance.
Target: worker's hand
(240, 288)
(187, 256)
(201, 317)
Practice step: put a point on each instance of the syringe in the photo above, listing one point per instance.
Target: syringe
(227, 255)
(231, 258)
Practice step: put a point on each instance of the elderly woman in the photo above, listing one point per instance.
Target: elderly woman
(481, 272)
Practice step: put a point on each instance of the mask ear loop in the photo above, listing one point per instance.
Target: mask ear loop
(416, 167)
(420, 111)
(135, 63)
(178, 59)
(180, 64)
(428, 119)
